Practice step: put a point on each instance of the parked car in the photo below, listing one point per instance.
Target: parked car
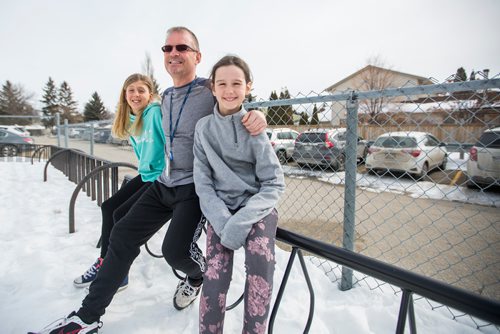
(483, 166)
(117, 141)
(282, 140)
(16, 129)
(102, 135)
(414, 153)
(325, 147)
(11, 143)
(75, 132)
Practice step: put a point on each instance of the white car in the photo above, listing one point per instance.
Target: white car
(415, 153)
(483, 166)
(16, 129)
(282, 140)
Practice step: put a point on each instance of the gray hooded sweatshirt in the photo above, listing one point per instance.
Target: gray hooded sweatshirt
(234, 171)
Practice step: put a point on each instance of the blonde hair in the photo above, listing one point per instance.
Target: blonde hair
(121, 125)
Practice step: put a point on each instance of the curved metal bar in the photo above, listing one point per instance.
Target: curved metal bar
(295, 251)
(79, 186)
(279, 296)
(236, 303)
(38, 150)
(178, 275)
(460, 299)
(311, 292)
(151, 252)
(50, 159)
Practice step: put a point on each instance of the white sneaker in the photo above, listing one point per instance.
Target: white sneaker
(70, 324)
(185, 294)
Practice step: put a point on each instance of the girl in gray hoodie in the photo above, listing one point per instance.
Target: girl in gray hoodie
(239, 180)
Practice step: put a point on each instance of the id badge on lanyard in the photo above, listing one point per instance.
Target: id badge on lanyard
(170, 158)
(170, 153)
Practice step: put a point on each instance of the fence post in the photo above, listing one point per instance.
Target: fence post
(58, 129)
(92, 138)
(350, 184)
(66, 133)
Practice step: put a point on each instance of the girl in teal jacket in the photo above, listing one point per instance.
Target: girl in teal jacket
(138, 118)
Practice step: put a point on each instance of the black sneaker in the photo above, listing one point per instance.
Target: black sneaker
(70, 325)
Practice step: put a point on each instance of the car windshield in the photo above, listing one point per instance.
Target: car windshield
(396, 141)
(489, 139)
(311, 137)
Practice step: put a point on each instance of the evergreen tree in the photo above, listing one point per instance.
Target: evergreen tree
(286, 111)
(304, 119)
(250, 98)
(272, 116)
(315, 118)
(460, 75)
(68, 106)
(149, 71)
(472, 75)
(95, 110)
(50, 103)
(14, 101)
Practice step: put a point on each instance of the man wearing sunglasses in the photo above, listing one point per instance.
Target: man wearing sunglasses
(171, 198)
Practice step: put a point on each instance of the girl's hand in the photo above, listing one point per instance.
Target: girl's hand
(255, 122)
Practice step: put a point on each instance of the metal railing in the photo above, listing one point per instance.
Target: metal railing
(97, 177)
(390, 226)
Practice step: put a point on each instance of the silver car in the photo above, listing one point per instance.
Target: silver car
(413, 152)
(282, 140)
(483, 166)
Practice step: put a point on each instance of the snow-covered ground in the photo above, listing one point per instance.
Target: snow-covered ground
(40, 259)
(405, 185)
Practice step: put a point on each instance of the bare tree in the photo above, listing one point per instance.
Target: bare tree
(148, 70)
(376, 76)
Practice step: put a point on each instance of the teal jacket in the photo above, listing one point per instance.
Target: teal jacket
(149, 147)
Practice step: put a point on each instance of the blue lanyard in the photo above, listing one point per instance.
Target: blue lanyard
(172, 133)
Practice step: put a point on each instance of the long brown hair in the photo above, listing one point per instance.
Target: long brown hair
(121, 125)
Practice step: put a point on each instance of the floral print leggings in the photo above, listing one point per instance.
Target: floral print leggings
(259, 264)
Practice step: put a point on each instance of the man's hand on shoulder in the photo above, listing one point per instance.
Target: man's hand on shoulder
(255, 122)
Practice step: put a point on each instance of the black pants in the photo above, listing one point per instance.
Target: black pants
(117, 206)
(152, 210)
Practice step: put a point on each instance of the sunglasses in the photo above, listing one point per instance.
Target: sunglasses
(179, 48)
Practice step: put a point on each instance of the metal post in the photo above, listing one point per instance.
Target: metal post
(58, 129)
(66, 133)
(350, 185)
(406, 300)
(92, 139)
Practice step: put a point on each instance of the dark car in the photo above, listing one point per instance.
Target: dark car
(324, 147)
(102, 135)
(11, 144)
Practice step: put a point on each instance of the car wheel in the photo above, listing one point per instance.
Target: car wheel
(340, 163)
(302, 165)
(8, 151)
(281, 157)
(424, 172)
(471, 184)
(442, 166)
(362, 160)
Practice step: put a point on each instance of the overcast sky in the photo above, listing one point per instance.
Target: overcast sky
(303, 45)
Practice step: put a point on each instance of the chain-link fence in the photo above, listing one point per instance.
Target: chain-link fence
(409, 176)
(404, 175)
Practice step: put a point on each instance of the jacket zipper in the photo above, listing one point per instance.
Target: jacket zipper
(234, 131)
